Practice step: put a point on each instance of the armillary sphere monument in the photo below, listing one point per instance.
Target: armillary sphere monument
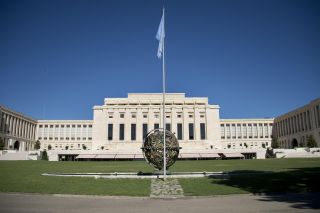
(153, 148)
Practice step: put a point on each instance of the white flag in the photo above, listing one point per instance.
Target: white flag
(160, 36)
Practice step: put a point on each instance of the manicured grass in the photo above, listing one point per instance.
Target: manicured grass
(25, 176)
(287, 175)
(284, 175)
(242, 165)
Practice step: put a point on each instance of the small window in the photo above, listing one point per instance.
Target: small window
(84, 138)
(133, 116)
(40, 126)
(68, 126)
(62, 126)
(190, 115)
(90, 126)
(51, 126)
(89, 138)
(56, 138)
(167, 116)
(73, 126)
(179, 115)
(67, 138)
(79, 126)
(156, 115)
(61, 138)
(145, 116)
(84, 126)
(57, 126)
(121, 115)
(78, 138)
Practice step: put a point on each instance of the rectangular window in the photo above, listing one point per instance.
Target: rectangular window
(239, 131)
(121, 132)
(228, 131)
(110, 132)
(250, 130)
(202, 131)
(191, 131)
(144, 130)
(156, 126)
(244, 130)
(222, 131)
(179, 129)
(133, 132)
(168, 127)
(233, 130)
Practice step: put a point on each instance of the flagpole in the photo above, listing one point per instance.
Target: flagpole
(164, 106)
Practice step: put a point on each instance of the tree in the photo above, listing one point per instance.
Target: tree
(275, 143)
(44, 155)
(1, 144)
(37, 145)
(311, 142)
(84, 147)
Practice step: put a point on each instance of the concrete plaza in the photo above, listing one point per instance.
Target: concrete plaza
(12, 202)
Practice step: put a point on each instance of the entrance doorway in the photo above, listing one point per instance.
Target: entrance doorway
(16, 145)
(294, 143)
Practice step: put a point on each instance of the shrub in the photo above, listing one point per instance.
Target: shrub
(44, 155)
(311, 142)
(275, 143)
(37, 145)
(1, 144)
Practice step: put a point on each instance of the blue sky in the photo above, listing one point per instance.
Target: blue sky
(254, 58)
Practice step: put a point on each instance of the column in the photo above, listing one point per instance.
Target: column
(185, 124)
(139, 123)
(196, 119)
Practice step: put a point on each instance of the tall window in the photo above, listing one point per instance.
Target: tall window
(202, 131)
(110, 132)
(156, 126)
(233, 130)
(179, 128)
(144, 130)
(133, 132)
(168, 127)
(191, 131)
(222, 131)
(121, 132)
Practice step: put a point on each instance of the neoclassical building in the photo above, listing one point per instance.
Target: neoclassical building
(120, 125)
(17, 131)
(293, 128)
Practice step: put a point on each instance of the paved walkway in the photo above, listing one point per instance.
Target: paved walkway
(166, 189)
(16, 203)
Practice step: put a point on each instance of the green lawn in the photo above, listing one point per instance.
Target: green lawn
(286, 175)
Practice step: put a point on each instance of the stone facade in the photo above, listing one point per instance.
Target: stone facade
(17, 131)
(120, 124)
(293, 128)
(246, 133)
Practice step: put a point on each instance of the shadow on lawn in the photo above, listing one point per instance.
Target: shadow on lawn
(298, 186)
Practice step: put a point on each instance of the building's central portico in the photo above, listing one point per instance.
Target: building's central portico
(122, 123)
